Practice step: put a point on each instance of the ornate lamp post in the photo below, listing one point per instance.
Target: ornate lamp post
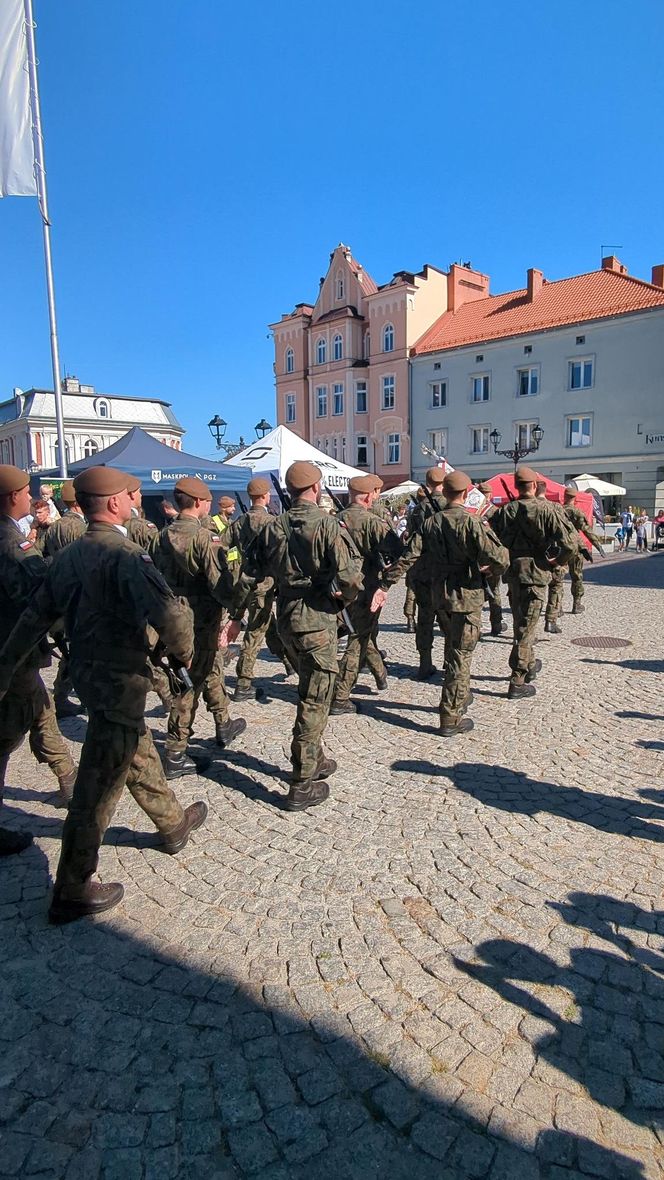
(262, 428)
(218, 427)
(517, 452)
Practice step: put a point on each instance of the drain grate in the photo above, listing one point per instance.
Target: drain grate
(601, 641)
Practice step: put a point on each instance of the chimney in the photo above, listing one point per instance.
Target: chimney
(614, 264)
(657, 279)
(465, 286)
(535, 283)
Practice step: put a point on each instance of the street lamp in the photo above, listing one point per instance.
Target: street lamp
(217, 428)
(262, 428)
(517, 452)
(431, 453)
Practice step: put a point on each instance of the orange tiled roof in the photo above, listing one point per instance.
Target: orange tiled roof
(593, 296)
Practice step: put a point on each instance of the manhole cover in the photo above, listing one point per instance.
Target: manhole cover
(601, 641)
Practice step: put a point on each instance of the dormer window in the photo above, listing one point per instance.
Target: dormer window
(339, 286)
(102, 408)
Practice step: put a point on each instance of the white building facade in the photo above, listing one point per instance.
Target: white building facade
(93, 421)
(582, 358)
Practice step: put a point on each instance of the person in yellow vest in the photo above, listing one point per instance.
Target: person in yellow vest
(219, 523)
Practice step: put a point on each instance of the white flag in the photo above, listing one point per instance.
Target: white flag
(17, 153)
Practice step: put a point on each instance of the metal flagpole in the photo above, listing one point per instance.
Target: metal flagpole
(40, 175)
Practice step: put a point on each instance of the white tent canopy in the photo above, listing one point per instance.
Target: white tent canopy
(281, 447)
(590, 483)
(407, 488)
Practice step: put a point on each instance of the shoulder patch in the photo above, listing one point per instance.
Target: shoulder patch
(26, 545)
(146, 557)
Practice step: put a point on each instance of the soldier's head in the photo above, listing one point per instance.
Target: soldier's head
(570, 494)
(378, 486)
(362, 490)
(192, 497)
(434, 479)
(226, 507)
(134, 489)
(303, 480)
(258, 490)
(41, 511)
(14, 491)
(525, 480)
(102, 494)
(455, 485)
(68, 496)
(540, 489)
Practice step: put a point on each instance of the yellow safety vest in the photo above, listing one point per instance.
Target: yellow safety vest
(221, 524)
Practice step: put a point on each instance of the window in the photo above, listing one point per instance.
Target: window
(56, 452)
(362, 448)
(339, 286)
(367, 345)
(338, 399)
(580, 374)
(579, 432)
(479, 440)
(343, 449)
(580, 339)
(102, 408)
(528, 382)
(388, 393)
(481, 388)
(388, 338)
(361, 397)
(334, 448)
(327, 445)
(479, 358)
(321, 401)
(523, 432)
(438, 442)
(436, 366)
(290, 360)
(290, 407)
(321, 351)
(527, 348)
(90, 448)
(438, 394)
(338, 348)
(393, 448)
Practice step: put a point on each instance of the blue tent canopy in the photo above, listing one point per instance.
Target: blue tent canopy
(160, 467)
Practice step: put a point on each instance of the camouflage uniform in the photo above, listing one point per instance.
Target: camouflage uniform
(61, 533)
(554, 598)
(455, 545)
(107, 590)
(371, 536)
(194, 566)
(306, 550)
(146, 535)
(493, 592)
(260, 622)
(575, 564)
(142, 532)
(528, 528)
(415, 564)
(27, 706)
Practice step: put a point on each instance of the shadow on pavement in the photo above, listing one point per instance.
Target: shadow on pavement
(633, 665)
(123, 1059)
(639, 716)
(634, 572)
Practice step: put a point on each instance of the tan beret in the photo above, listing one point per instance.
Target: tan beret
(67, 493)
(456, 481)
(226, 502)
(258, 486)
(134, 484)
(12, 479)
(435, 475)
(101, 481)
(378, 482)
(570, 493)
(193, 487)
(302, 475)
(526, 475)
(485, 488)
(363, 483)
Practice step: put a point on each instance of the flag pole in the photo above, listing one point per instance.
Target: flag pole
(42, 197)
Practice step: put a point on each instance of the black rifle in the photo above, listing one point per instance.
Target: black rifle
(338, 504)
(284, 498)
(243, 506)
(179, 680)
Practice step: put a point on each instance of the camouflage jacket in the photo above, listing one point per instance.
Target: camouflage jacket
(415, 560)
(62, 532)
(376, 542)
(194, 565)
(142, 532)
(382, 512)
(580, 522)
(108, 591)
(306, 550)
(534, 531)
(456, 545)
(240, 537)
(22, 570)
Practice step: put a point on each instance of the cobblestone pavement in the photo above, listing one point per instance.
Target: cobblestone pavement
(454, 969)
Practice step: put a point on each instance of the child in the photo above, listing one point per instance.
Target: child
(620, 538)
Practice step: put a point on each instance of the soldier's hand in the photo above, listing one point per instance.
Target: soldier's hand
(229, 632)
(379, 599)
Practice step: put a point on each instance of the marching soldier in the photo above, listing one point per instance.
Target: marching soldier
(492, 580)
(69, 527)
(416, 564)
(575, 564)
(195, 568)
(139, 530)
(459, 550)
(107, 589)
(554, 597)
(318, 571)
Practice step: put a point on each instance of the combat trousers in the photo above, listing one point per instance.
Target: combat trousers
(409, 603)
(316, 656)
(554, 599)
(495, 603)
(28, 708)
(527, 602)
(575, 566)
(462, 632)
(260, 625)
(207, 677)
(113, 755)
(426, 617)
(361, 649)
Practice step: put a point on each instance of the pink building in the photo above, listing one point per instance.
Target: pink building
(342, 365)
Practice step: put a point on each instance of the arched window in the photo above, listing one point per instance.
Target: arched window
(102, 408)
(90, 448)
(321, 351)
(290, 360)
(56, 451)
(338, 347)
(388, 338)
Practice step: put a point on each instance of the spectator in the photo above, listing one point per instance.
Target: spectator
(620, 538)
(46, 494)
(641, 533)
(627, 522)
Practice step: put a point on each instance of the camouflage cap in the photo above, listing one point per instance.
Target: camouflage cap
(362, 483)
(435, 475)
(12, 479)
(526, 475)
(67, 492)
(194, 487)
(226, 502)
(101, 481)
(258, 486)
(455, 482)
(302, 475)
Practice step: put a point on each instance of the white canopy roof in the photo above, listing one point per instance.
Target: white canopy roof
(281, 447)
(407, 488)
(590, 483)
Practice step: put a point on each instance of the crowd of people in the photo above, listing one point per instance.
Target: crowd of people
(133, 608)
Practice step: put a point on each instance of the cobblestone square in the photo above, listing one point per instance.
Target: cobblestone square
(453, 969)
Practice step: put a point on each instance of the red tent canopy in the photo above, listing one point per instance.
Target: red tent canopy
(503, 489)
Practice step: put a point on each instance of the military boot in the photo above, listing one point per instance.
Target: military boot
(288, 666)
(453, 726)
(533, 671)
(578, 607)
(226, 731)
(381, 683)
(243, 691)
(519, 692)
(194, 817)
(410, 626)
(93, 898)
(306, 794)
(177, 765)
(426, 669)
(63, 797)
(325, 767)
(338, 708)
(552, 627)
(66, 708)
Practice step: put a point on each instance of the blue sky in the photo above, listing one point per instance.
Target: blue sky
(204, 159)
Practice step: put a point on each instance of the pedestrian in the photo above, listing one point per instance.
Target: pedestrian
(627, 522)
(641, 533)
(41, 524)
(318, 572)
(619, 536)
